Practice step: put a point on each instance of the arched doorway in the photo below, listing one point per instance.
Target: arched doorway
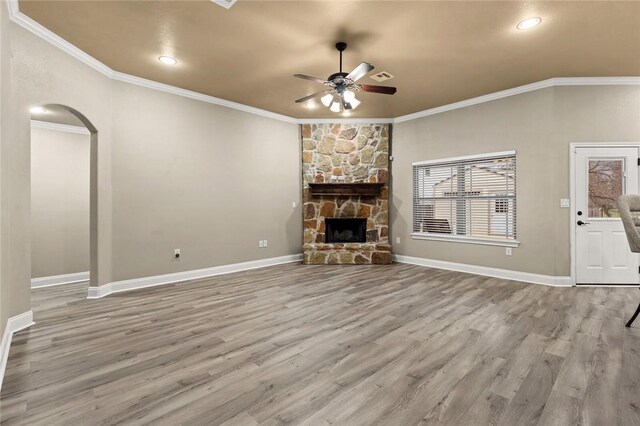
(64, 115)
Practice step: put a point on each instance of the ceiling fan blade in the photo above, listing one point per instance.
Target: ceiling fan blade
(315, 95)
(308, 77)
(360, 71)
(385, 90)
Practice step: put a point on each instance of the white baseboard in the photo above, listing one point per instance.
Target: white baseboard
(14, 324)
(76, 277)
(527, 277)
(137, 283)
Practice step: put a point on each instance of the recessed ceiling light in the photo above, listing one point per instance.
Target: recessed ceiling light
(37, 110)
(529, 23)
(167, 60)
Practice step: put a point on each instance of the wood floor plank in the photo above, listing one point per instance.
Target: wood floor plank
(527, 405)
(487, 410)
(561, 410)
(628, 403)
(342, 345)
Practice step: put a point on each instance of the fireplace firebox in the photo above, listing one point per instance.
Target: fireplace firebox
(345, 230)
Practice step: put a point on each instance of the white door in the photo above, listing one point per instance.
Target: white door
(602, 251)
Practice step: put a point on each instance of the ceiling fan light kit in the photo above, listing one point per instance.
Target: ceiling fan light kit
(341, 94)
(327, 99)
(349, 96)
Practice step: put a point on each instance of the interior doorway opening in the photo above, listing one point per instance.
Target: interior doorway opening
(64, 219)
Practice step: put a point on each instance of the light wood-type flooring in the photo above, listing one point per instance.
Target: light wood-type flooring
(391, 345)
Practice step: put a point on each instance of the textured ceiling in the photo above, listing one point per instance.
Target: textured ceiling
(439, 52)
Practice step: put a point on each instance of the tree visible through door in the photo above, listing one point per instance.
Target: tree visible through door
(605, 186)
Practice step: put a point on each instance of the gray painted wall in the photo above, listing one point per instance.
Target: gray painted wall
(172, 172)
(539, 126)
(4, 91)
(59, 202)
(209, 180)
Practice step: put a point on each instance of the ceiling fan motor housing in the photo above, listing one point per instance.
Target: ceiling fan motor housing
(338, 75)
(341, 85)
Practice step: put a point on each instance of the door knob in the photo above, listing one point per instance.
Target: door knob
(580, 223)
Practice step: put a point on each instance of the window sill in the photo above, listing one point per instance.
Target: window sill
(468, 240)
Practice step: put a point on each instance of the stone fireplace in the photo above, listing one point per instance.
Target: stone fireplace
(345, 174)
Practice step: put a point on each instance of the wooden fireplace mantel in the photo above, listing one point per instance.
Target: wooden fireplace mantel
(346, 189)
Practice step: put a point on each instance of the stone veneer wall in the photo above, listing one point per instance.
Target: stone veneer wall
(346, 153)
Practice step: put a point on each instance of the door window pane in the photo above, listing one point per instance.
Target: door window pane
(605, 186)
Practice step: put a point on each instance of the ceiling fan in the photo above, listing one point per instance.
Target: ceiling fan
(342, 87)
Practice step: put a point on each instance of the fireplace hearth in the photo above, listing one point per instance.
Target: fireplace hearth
(345, 230)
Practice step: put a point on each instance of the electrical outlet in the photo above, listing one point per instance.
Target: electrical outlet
(176, 253)
(565, 203)
(508, 251)
(397, 240)
(260, 244)
(265, 243)
(293, 205)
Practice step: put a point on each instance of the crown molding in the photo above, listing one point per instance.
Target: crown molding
(345, 120)
(12, 7)
(150, 84)
(552, 82)
(597, 81)
(39, 30)
(45, 125)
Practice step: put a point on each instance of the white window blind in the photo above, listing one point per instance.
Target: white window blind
(472, 197)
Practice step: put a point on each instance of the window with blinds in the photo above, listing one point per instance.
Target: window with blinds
(469, 198)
